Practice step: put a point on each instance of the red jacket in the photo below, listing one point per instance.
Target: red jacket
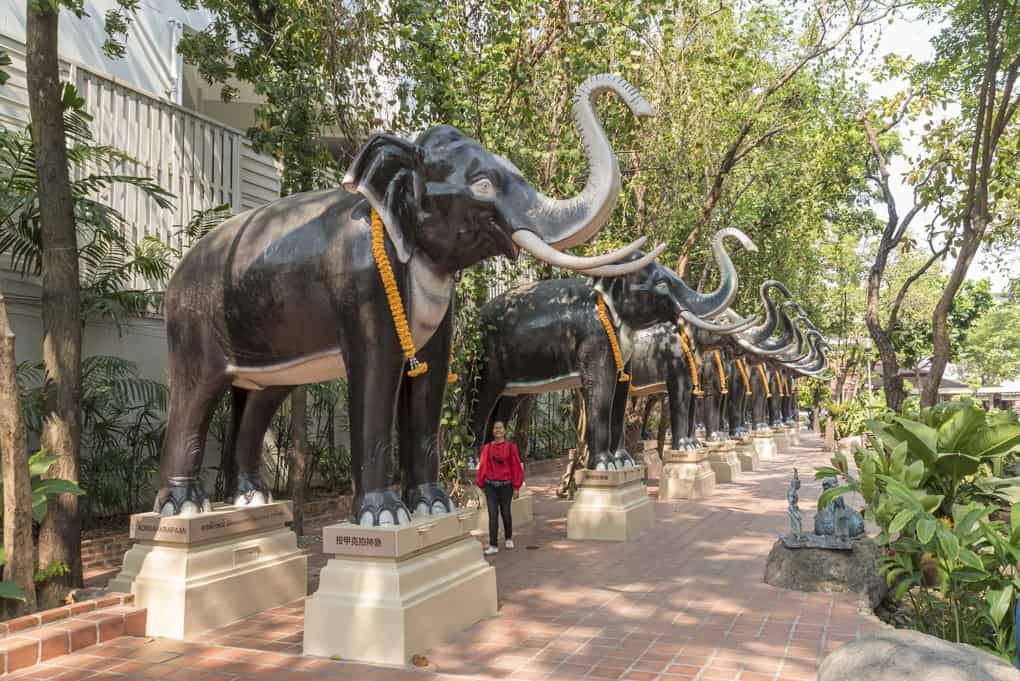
(500, 461)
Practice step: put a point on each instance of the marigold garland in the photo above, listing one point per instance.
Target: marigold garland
(382, 263)
(782, 388)
(617, 356)
(764, 381)
(452, 377)
(695, 385)
(743, 374)
(722, 375)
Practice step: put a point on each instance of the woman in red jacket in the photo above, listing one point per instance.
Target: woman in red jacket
(500, 475)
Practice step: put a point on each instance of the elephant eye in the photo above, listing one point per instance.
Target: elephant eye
(483, 187)
(662, 287)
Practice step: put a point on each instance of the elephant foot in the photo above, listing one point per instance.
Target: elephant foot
(428, 498)
(602, 462)
(623, 459)
(181, 496)
(717, 436)
(697, 444)
(251, 490)
(379, 507)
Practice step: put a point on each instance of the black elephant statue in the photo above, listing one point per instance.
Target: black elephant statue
(573, 333)
(358, 282)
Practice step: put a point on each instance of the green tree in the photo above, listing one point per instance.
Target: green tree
(991, 352)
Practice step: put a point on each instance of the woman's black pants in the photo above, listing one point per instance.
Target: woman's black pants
(498, 500)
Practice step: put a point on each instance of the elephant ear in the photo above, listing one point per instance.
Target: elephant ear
(385, 171)
(611, 289)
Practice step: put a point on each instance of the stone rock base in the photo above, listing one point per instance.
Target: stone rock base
(686, 475)
(811, 569)
(394, 592)
(903, 655)
(202, 572)
(653, 464)
(522, 509)
(610, 506)
(782, 439)
(764, 446)
(748, 457)
(722, 457)
(793, 435)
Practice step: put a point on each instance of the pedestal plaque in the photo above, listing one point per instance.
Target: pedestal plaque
(393, 592)
(201, 572)
(653, 464)
(764, 444)
(722, 457)
(610, 505)
(686, 474)
(747, 455)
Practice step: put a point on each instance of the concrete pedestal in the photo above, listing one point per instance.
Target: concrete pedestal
(686, 474)
(610, 505)
(522, 509)
(201, 572)
(653, 464)
(764, 445)
(393, 592)
(747, 455)
(782, 439)
(793, 435)
(722, 457)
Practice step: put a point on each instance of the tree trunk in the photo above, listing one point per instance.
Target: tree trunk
(579, 458)
(297, 480)
(633, 423)
(522, 426)
(60, 536)
(19, 553)
(664, 425)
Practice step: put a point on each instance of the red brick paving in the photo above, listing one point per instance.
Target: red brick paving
(685, 602)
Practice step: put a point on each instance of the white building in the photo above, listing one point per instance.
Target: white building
(155, 108)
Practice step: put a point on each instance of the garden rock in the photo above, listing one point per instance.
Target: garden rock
(903, 655)
(810, 569)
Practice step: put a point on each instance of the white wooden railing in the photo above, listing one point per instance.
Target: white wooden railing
(202, 162)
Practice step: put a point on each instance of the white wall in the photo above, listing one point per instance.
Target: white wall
(151, 62)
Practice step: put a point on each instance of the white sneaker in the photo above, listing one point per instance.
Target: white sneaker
(489, 550)
(509, 543)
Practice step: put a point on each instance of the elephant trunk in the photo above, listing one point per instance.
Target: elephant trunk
(759, 334)
(565, 223)
(710, 304)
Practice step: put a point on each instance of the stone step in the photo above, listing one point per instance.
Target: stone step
(29, 640)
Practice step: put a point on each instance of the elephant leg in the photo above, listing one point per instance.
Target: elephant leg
(192, 403)
(373, 387)
(598, 379)
(678, 408)
(419, 408)
(228, 462)
(617, 426)
(249, 489)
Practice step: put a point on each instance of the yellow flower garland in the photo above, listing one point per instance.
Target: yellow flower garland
(617, 356)
(382, 263)
(695, 385)
(782, 388)
(764, 381)
(743, 374)
(722, 375)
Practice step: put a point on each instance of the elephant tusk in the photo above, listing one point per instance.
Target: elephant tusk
(623, 268)
(533, 244)
(729, 327)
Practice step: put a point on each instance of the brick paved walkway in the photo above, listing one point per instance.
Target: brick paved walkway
(685, 602)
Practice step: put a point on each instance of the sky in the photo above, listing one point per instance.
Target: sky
(908, 36)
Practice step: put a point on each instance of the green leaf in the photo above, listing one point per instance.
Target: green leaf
(914, 473)
(922, 440)
(11, 591)
(971, 559)
(40, 462)
(948, 543)
(931, 502)
(960, 426)
(926, 529)
(967, 574)
(993, 441)
(901, 520)
(999, 601)
(957, 465)
(830, 494)
(52, 487)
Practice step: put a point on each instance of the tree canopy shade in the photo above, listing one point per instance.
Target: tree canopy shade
(991, 353)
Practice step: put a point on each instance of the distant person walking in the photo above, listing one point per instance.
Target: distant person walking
(500, 475)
